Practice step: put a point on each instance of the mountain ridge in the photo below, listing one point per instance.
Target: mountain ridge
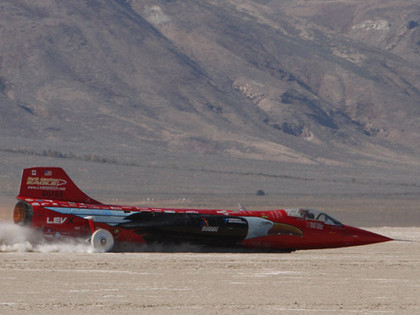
(255, 79)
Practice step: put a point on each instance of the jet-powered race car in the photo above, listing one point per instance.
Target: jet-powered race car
(49, 201)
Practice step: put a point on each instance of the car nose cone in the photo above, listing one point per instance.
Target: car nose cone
(362, 237)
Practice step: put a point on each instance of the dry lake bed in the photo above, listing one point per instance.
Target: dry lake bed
(67, 278)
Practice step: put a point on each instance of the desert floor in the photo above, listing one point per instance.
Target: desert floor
(67, 278)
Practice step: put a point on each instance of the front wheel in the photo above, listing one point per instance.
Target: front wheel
(102, 240)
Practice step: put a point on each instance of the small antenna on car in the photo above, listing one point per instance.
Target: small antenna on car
(241, 207)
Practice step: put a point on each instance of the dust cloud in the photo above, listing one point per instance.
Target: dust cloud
(15, 238)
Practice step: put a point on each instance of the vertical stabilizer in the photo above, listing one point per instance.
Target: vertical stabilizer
(51, 183)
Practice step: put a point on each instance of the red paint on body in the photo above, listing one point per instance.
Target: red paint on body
(51, 202)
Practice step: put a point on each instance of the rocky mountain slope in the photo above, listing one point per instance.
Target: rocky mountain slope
(305, 81)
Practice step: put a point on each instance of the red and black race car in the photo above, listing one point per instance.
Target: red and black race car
(49, 201)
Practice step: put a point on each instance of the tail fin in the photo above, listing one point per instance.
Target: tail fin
(51, 183)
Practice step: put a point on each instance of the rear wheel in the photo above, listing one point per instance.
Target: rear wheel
(102, 240)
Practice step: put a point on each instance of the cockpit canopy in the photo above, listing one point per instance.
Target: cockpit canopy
(313, 214)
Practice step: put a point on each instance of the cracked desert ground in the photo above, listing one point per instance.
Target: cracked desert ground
(49, 279)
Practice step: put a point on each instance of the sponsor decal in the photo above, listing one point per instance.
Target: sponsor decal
(314, 225)
(209, 228)
(56, 220)
(204, 222)
(205, 226)
(43, 181)
(235, 220)
(47, 183)
(33, 172)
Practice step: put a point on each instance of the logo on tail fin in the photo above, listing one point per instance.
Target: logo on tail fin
(43, 181)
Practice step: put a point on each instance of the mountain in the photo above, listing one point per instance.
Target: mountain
(259, 79)
(314, 89)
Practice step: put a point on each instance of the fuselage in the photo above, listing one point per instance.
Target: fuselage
(286, 230)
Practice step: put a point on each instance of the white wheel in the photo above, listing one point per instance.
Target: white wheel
(102, 240)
